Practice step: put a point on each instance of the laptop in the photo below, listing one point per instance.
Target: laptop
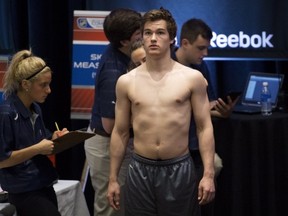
(250, 102)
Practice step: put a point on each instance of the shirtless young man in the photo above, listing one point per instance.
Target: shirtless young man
(158, 97)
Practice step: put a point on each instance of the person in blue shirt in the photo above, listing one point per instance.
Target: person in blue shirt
(195, 39)
(26, 172)
(122, 28)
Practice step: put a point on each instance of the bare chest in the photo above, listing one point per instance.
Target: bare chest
(166, 92)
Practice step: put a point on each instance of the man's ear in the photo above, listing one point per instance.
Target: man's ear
(125, 43)
(184, 42)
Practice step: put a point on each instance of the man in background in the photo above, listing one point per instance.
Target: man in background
(122, 28)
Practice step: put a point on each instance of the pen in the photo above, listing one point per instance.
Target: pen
(57, 126)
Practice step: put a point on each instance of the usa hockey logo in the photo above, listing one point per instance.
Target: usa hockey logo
(90, 23)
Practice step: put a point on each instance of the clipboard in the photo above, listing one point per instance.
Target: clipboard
(69, 140)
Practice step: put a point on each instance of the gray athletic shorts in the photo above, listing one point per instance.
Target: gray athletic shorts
(161, 187)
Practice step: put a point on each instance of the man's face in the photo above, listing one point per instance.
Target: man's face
(196, 51)
(156, 37)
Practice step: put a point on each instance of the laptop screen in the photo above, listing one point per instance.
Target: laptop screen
(252, 91)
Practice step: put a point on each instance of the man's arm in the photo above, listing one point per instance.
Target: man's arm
(201, 112)
(119, 140)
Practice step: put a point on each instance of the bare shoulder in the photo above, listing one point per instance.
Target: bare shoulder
(188, 72)
(125, 78)
(126, 81)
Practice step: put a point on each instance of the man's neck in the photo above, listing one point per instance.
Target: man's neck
(125, 50)
(159, 65)
(181, 56)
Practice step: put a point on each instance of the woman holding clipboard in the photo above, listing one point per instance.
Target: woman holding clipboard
(26, 172)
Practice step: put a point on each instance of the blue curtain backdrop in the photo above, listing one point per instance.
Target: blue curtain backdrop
(13, 25)
(46, 28)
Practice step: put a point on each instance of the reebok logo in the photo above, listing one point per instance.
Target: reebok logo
(242, 40)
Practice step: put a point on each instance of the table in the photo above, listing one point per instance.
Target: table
(3, 205)
(254, 178)
(71, 200)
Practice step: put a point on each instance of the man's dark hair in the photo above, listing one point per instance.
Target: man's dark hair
(120, 25)
(194, 27)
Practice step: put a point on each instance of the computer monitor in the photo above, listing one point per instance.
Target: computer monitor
(252, 91)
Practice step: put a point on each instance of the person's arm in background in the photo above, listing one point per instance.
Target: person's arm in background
(221, 109)
(108, 124)
(44, 147)
(218, 107)
(106, 81)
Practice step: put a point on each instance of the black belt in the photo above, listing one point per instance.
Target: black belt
(100, 132)
(103, 133)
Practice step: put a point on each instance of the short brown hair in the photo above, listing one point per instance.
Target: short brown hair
(161, 14)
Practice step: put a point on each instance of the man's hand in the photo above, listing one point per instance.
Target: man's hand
(206, 190)
(113, 195)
